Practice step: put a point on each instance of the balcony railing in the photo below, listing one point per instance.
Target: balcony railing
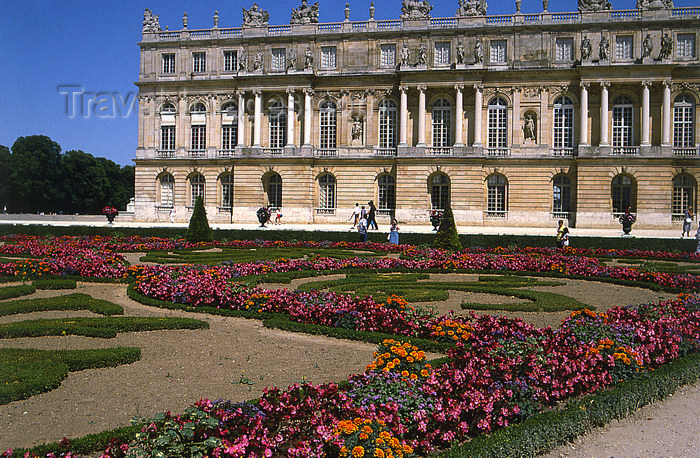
(562, 152)
(272, 151)
(497, 152)
(685, 152)
(625, 150)
(196, 153)
(384, 152)
(165, 153)
(326, 152)
(325, 211)
(561, 215)
(225, 152)
(495, 214)
(440, 151)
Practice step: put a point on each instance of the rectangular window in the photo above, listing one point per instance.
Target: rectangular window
(199, 62)
(442, 53)
(564, 49)
(279, 58)
(497, 52)
(167, 138)
(685, 48)
(623, 47)
(230, 61)
(328, 54)
(229, 136)
(168, 63)
(388, 55)
(199, 138)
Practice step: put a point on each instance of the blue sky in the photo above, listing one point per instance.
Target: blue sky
(54, 48)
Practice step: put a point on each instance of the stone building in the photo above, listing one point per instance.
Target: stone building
(510, 120)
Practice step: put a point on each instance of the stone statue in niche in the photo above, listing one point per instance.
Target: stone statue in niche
(258, 62)
(478, 53)
(586, 48)
(460, 53)
(422, 54)
(305, 14)
(308, 58)
(255, 17)
(243, 62)
(291, 60)
(590, 6)
(529, 128)
(357, 128)
(604, 49)
(416, 9)
(151, 23)
(666, 47)
(468, 8)
(647, 46)
(405, 54)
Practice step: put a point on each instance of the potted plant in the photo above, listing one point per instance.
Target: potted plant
(263, 215)
(110, 213)
(435, 218)
(627, 219)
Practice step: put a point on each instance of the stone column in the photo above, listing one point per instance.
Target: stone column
(478, 102)
(308, 112)
(645, 114)
(604, 114)
(403, 129)
(290, 117)
(257, 122)
(666, 115)
(459, 115)
(421, 115)
(584, 113)
(241, 118)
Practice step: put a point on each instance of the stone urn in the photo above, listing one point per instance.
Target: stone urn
(435, 218)
(110, 217)
(263, 216)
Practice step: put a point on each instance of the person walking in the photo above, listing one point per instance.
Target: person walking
(355, 216)
(565, 238)
(394, 232)
(697, 237)
(687, 222)
(560, 234)
(362, 229)
(372, 216)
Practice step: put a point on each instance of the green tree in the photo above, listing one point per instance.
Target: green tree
(5, 172)
(447, 237)
(199, 230)
(120, 180)
(85, 183)
(35, 175)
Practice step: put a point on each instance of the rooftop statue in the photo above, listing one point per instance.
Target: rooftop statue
(416, 9)
(593, 5)
(305, 14)
(255, 17)
(150, 22)
(654, 4)
(471, 8)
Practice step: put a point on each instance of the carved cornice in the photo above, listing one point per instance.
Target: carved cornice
(532, 92)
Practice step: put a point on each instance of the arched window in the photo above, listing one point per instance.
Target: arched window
(278, 124)
(496, 195)
(168, 108)
(622, 119)
(624, 194)
(229, 126)
(167, 190)
(388, 115)
(563, 123)
(326, 195)
(442, 123)
(328, 125)
(684, 122)
(274, 190)
(227, 191)
(198, 108)
(561, 193)
(196, 188)
(387, 191)
(683, 194)
(440, 191)
(498, 123)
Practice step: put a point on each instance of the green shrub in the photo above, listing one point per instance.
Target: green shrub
(199, 230)
(447, 237)
(9, 292)
(76, 301)
(55, 284)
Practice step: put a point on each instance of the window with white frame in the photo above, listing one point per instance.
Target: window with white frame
(328, 57)
(196, 188)
(623, 47)
(561, 192)
(388, 115)
(684, 121)
(623, 194)
(167, 190)
(230, 61)
(168, 108)
(227, 191)
(440, 191)
(622, 122)
(199, 137)
(683, 194)
(442, 53)
(274, 190)
(199, 62)
(326, 188)
(278, 123)
(167, 138)
(328, 118)
(498, 123)
(442, 123)
(388, 55)
(685, 46)
(168, 63)
(229, 126)
(496, 195)
(563, 123)
(564, 49)
(497, 51)
(279, 58)
(387, 191)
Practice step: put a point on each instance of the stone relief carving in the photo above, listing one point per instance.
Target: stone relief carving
(532, 92)
(666, 47)
(593, 5)
(255, 17)
(305, 14)
(422, 54)
(468, 8)
(416, 9)
(308, 59)
(604, 49)
(460, 53)
(586, 48)
(654, 4)
(151, 23)
(478, 52)
(647, 46)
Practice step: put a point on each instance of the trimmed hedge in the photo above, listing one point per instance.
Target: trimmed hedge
(76, 301)
(55, 284)
(10, 292)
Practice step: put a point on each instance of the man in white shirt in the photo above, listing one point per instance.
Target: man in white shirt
(355, 216)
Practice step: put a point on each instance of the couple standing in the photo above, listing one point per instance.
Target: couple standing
(358, 214)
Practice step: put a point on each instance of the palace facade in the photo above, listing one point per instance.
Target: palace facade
(514, 120)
